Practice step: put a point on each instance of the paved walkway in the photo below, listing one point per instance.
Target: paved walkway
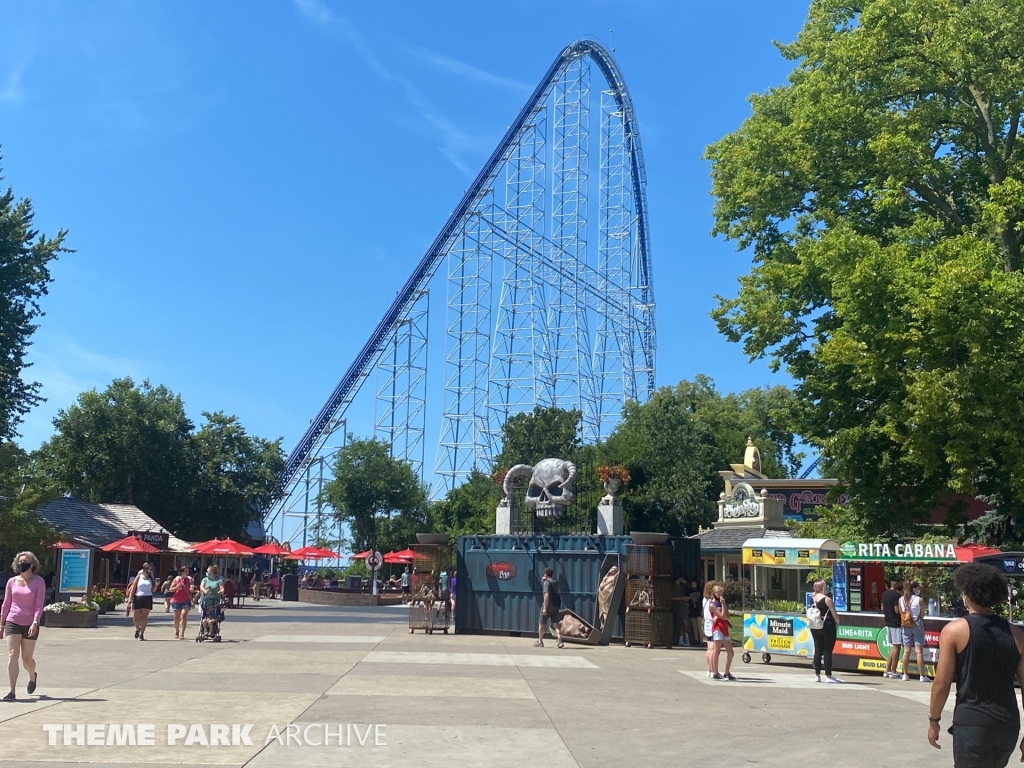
(439, 700)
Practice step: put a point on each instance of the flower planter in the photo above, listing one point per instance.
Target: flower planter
(70, 619)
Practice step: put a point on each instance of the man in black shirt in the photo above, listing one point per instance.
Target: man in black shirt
(982, 652)
(551, 609)
(890, 599)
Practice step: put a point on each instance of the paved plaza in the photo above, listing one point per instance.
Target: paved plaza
(440, 700)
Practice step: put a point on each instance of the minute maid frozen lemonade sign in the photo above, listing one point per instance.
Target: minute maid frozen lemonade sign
(781, 556)
(898, 553)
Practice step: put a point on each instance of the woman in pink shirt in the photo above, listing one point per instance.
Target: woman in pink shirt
(19, 618)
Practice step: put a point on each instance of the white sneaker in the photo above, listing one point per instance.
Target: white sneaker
(891, 675)
(833, 680)
(906, 678)
(710, 675)
(925, 679)
(817, 678)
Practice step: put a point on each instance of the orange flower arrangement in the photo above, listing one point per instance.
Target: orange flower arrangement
(616, 472)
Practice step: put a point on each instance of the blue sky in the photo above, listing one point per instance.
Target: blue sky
(247, 185)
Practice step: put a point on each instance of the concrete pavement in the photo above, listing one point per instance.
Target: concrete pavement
(391, 698)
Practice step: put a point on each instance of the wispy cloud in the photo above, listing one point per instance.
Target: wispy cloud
(315, 11)
(454, 141)
(66, 369)
(11, 89)
(465, 70)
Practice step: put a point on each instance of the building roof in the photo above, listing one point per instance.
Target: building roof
(97, 524)
(723, 540)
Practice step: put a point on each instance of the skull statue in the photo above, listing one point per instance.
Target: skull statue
(550, 488)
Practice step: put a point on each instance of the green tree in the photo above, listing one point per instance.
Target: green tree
(542, 433)
(22, 491)
(675, 444)
(135, 445)
(380, 498)
(881, 194)
(468, 509)
(238, 476)
(25, 257)
(127, 445)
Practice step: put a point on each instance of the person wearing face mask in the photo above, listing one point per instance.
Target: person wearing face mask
(211, 589)
(982, 653)
(19, 619)
(141, 595)
(912, 620)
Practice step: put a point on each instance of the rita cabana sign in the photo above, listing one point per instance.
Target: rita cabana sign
(909, 552)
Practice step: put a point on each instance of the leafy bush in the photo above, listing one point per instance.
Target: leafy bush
(112, 597)
(785, 606)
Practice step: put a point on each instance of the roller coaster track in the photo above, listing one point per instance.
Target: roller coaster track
(539, 349)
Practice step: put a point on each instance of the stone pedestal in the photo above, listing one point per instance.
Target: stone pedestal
(609, 517)
(503, 519)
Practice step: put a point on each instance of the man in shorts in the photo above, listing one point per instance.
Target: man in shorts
(550, 610)
(893, 628)
(405, 585)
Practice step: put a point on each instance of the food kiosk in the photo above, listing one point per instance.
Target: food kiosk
(779, 569)
(858, 581)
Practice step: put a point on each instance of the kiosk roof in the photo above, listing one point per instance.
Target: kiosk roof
(827, 544)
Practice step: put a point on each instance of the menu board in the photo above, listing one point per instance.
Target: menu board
(74, 570)
(839, 586)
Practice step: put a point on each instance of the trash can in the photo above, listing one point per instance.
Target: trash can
(290, 587)
(353, 582)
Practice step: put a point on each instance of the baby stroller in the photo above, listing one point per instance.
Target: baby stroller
(209, 627)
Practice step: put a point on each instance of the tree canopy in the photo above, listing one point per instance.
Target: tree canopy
(543, 433)
(135, 445)
(675, 445)
(380, 498)
(22, 491)
(25, 257)
(881, 195)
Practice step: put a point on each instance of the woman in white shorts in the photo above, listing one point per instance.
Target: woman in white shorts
(913, 637)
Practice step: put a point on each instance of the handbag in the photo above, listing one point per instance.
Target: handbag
(130, 599)
(906, 617)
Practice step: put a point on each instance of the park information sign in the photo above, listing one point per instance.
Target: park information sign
(910, 552)
(75, 567)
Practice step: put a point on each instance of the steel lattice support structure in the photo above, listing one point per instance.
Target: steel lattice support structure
(402, 385)
(549, 292)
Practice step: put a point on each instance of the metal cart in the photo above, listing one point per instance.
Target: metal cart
(429, 617)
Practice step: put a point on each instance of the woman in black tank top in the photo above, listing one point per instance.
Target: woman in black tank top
(824, 638)
(982, 653)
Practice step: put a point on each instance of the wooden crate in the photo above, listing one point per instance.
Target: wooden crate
(649, 592)
(648, 628)
(648, 560)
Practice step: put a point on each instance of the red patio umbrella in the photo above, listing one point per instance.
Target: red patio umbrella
(311, 553)
(129, 544)
(273, 549)
(408, 554)
(362, 555)
(63, 545)
(226, 547)
(396, 558)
